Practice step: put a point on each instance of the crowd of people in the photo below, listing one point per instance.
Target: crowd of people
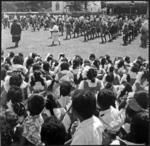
(54, 101)
(90, 27)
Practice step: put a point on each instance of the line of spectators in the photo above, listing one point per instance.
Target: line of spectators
(79, 101)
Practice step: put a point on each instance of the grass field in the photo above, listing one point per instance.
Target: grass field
(40, 43)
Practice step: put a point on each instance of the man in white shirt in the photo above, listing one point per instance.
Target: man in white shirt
(90, 128)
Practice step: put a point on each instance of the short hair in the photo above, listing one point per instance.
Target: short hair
(91, 74)
(29, 62)
(96, 63)
(11, 54)
(36, 66)
(15, 94)
(76, 63)
(92, 56)
(18, 60)
(84, 103)
(53, 132)
(109, 78)
(51, 103)
(65, 88)
(142, 98)
(36, 104)
(46, 66)
(15, 79)
(64, 66)
(106, 98)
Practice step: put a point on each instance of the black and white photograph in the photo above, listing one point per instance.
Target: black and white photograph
(74, 73)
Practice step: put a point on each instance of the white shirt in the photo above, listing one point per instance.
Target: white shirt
(112, 118)
(89, 132)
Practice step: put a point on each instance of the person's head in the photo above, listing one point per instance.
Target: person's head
(96, 63)
(76, 63)
(105, 99)
(53, 132)
(140, 127)
(18, 60)
(36, 67)
(91, 74)
(127, 59)
(46, 66)
(87, 62)
(51, 103)
(64, 66)
(103, 61)
(35, 104)
(109, 78)
(11, 54)
(14, 94)
(65, 88)
(29, 62)
(92, 57)
(83, 104)
(15, 79)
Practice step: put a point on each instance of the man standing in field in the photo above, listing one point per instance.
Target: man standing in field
(16, 32)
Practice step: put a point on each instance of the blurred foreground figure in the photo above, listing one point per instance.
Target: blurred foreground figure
(15, 32)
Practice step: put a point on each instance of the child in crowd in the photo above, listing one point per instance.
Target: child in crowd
(33, 122)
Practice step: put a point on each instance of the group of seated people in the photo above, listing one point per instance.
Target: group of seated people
(93, 101)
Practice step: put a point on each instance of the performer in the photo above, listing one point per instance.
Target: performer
(55, 34)
(16, 32)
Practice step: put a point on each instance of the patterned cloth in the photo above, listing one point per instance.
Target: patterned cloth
(32, 128)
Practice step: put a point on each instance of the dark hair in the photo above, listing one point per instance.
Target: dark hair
(3, 73)
(87, 62)
(37, 77)
(15, 94)
(15, 79)
(135, 68)
(7, 60)
(76, 63)
(36, 104)
(96, 63)
(65, 88)
(53, 132)
(91, 74)
(92, 56)
(46, 66)
(11, 54)
(18, 60)
(142, 98)
(51, 103)
(84, 103)
(140, 127)
(19, 109)
(127, 59)
(64, 66)
(29, 62)
(145, 75)
(36, 66)
(121, 63)
(106, 98)
(103, 62)
(109, 77)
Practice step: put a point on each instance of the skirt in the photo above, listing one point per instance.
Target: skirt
(16, 38)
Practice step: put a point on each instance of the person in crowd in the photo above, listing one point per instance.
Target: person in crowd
(53, 132)
(33, 122)
(89, 124)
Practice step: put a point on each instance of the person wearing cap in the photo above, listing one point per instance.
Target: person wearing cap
(16, 32)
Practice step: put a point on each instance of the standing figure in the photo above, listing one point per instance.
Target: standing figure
(55, 34)
(68, 29)
(16, 32)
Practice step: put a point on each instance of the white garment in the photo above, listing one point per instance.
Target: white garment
(112, 118)
(89, 132)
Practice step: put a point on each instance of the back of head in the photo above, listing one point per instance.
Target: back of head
(91, 74)
(14, 94)
(106, 98)
(65, 88)
(36, 104)
(53, 132)
(84, 103)
(18, 60)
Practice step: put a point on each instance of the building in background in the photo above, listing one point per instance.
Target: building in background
(126, 7)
